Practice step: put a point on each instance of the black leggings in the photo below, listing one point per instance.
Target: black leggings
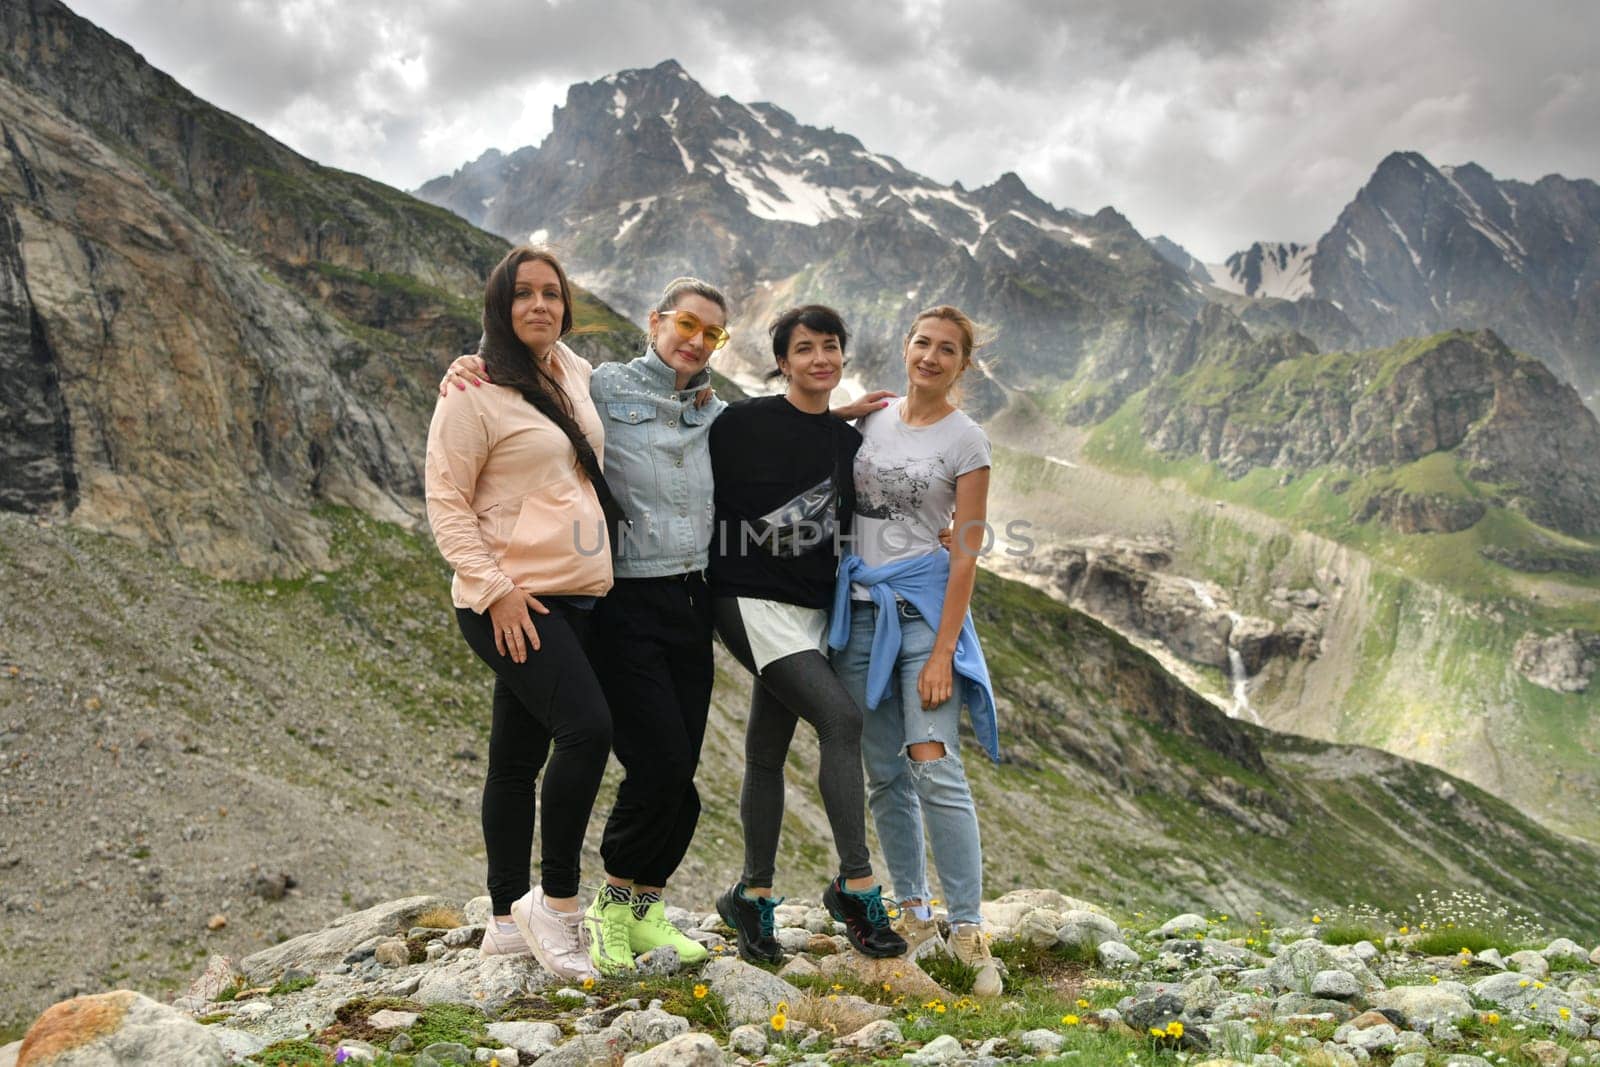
(801, 686)
(652, 641)
(553, 696)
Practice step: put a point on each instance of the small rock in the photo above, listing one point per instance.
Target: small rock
(216, 922)
(1086, 930)
(821, 945)
(402, 1043)
(389, 1019)
(1042, 1042)
(1492, 957)
(663, 960)
(392, 953)
(942, 1049)
(1368, 1019)
(685, 1050)
(467, 936)
(1425, 1005)
(1374, 1038)
(649, 1027)
(874, 1035)
(1563, 948)
(794, 938)
(530, 1039)
(1546, 1053)
(1594, 957)
(1115, 956)
(1038, 928)
(1335, 985)
(1185, 925)
(444, 1052)
(1530, 963)
(479, 911)
(585, 1050)
(1152, 1012)
(356, 1051)
(748, 1040)
(505, 1057)
(799, 967)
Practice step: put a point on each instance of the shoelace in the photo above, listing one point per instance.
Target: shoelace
(767, 908)
(877, 915)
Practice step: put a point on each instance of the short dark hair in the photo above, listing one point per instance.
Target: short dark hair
(817, 318)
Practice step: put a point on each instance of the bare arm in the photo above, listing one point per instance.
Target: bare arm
(937, 682)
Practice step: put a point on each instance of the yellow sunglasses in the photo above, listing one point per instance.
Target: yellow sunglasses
(688, 324)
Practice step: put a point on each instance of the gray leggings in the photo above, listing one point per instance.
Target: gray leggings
(801, 686)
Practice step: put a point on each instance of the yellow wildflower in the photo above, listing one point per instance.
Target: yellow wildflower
(1522, 984)
(1538, 984)
(1069, 1020)
(886, 988)
(700, 992)
(1082, 1003)
(1405, 929)
(588, 983)
(1565, 1013)
(1174, 1029)
(837, 987)
(1316, 918)
(779, 1021)
(938, 1008)
(1492, 1018)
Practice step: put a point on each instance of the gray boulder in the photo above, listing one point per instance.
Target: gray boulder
(649, 1027)
(326, 948)
(120, 1029)
(585, 1050)
(1426, 1005)
(1185, 925)
(751, 994)
(1335, 985)
(482, 982)
(530, 1039)
(1086, 930)
(685, 1050)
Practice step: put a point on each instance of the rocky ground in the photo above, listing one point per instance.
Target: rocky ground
(402, 983)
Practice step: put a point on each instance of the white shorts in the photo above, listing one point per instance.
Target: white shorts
(777, 630)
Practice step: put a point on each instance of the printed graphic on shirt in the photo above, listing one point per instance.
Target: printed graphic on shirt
(892, 493)
(799, 525)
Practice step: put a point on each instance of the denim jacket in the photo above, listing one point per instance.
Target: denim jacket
(658, 464)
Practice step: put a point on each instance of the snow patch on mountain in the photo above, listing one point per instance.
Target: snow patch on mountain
(1267, 269)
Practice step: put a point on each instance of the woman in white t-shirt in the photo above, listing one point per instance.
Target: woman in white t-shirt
(903, 639)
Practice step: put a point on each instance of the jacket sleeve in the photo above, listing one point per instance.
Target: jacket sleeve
(458, 444)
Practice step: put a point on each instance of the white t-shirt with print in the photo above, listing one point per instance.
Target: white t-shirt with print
(906, 483)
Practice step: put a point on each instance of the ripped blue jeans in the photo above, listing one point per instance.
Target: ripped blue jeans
(905, 795)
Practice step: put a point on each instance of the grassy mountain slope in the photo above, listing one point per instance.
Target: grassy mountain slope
(167, 737)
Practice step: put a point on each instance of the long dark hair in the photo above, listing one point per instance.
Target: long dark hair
(511, 363)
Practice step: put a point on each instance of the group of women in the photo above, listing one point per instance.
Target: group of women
(604, 523)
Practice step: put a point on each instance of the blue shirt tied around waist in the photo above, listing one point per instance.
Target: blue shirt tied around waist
(658, 464)
(921, 583)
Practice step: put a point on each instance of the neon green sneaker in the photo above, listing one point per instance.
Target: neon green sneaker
(654, 930)
(609, 924)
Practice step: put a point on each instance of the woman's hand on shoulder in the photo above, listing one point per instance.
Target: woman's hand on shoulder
(463, 371)
(876, 400)
(514, 634)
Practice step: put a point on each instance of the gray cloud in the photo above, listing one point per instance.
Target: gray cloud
(1215, 123)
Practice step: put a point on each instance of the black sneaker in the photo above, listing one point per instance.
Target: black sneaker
(753, 921)
(866, 922)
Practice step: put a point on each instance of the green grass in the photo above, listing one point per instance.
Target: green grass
(294, 985)
(449, 1022)
(296, 1053)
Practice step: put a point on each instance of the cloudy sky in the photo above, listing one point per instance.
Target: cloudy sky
(1217, 122)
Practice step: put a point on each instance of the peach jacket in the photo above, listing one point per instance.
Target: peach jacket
(509, 505)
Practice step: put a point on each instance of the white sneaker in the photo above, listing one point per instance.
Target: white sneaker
(498, 942)
(556, 937)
